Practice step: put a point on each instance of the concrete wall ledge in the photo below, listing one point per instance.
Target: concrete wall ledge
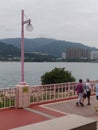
(69, 122)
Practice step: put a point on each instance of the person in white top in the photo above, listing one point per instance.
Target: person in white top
(88, 90)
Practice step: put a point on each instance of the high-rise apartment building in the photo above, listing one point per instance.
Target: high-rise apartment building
(77, 53)
(94, 55)
(63, 56)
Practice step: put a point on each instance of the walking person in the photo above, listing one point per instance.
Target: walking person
(88, 91)
(96, 90)
(79, 89)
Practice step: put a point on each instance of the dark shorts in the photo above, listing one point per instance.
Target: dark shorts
(88, 94)
(97, 97)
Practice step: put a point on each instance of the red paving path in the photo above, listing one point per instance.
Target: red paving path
(12, 118)
(47, 111)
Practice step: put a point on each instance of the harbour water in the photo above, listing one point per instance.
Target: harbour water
(10, 72)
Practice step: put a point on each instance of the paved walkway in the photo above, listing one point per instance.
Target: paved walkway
(69, 107)
(12, 118)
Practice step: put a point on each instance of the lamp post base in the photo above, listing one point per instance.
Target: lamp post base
(22, 83)
(22, 95)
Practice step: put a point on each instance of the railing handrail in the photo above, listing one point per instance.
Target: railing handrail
(41, 93)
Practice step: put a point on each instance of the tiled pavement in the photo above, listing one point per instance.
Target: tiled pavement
(71, 108)
(12, 118)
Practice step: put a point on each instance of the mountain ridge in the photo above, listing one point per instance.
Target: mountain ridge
(45, 45)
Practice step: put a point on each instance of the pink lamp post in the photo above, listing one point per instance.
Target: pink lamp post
(28, 28)
(22, 89)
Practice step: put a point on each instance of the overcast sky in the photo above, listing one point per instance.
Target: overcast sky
(70, 20)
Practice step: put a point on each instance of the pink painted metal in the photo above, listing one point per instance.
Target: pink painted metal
(22, 45)
(52, 92)
(9, 97)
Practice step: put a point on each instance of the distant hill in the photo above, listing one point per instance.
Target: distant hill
(8, 50)
(45, 45)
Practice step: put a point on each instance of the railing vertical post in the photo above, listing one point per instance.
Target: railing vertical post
(37, 94)
(69, 90)
(50, 93)
(54, 92)
(4, 97)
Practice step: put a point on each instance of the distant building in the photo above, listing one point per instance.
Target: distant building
(94, 55)
(63, 56)
(77, 54)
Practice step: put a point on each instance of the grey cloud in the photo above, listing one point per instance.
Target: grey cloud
(71, 20)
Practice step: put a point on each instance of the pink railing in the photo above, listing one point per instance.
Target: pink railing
(53, 92)
(41, 94)
(7, 97)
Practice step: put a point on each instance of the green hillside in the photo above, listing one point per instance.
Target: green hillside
(45, 45)
(8, 50)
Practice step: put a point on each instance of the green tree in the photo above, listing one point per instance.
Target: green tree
(57, 75)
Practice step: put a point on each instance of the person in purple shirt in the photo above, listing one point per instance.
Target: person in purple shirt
(79, 89)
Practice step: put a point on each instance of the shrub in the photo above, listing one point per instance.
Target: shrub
(57, 75)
